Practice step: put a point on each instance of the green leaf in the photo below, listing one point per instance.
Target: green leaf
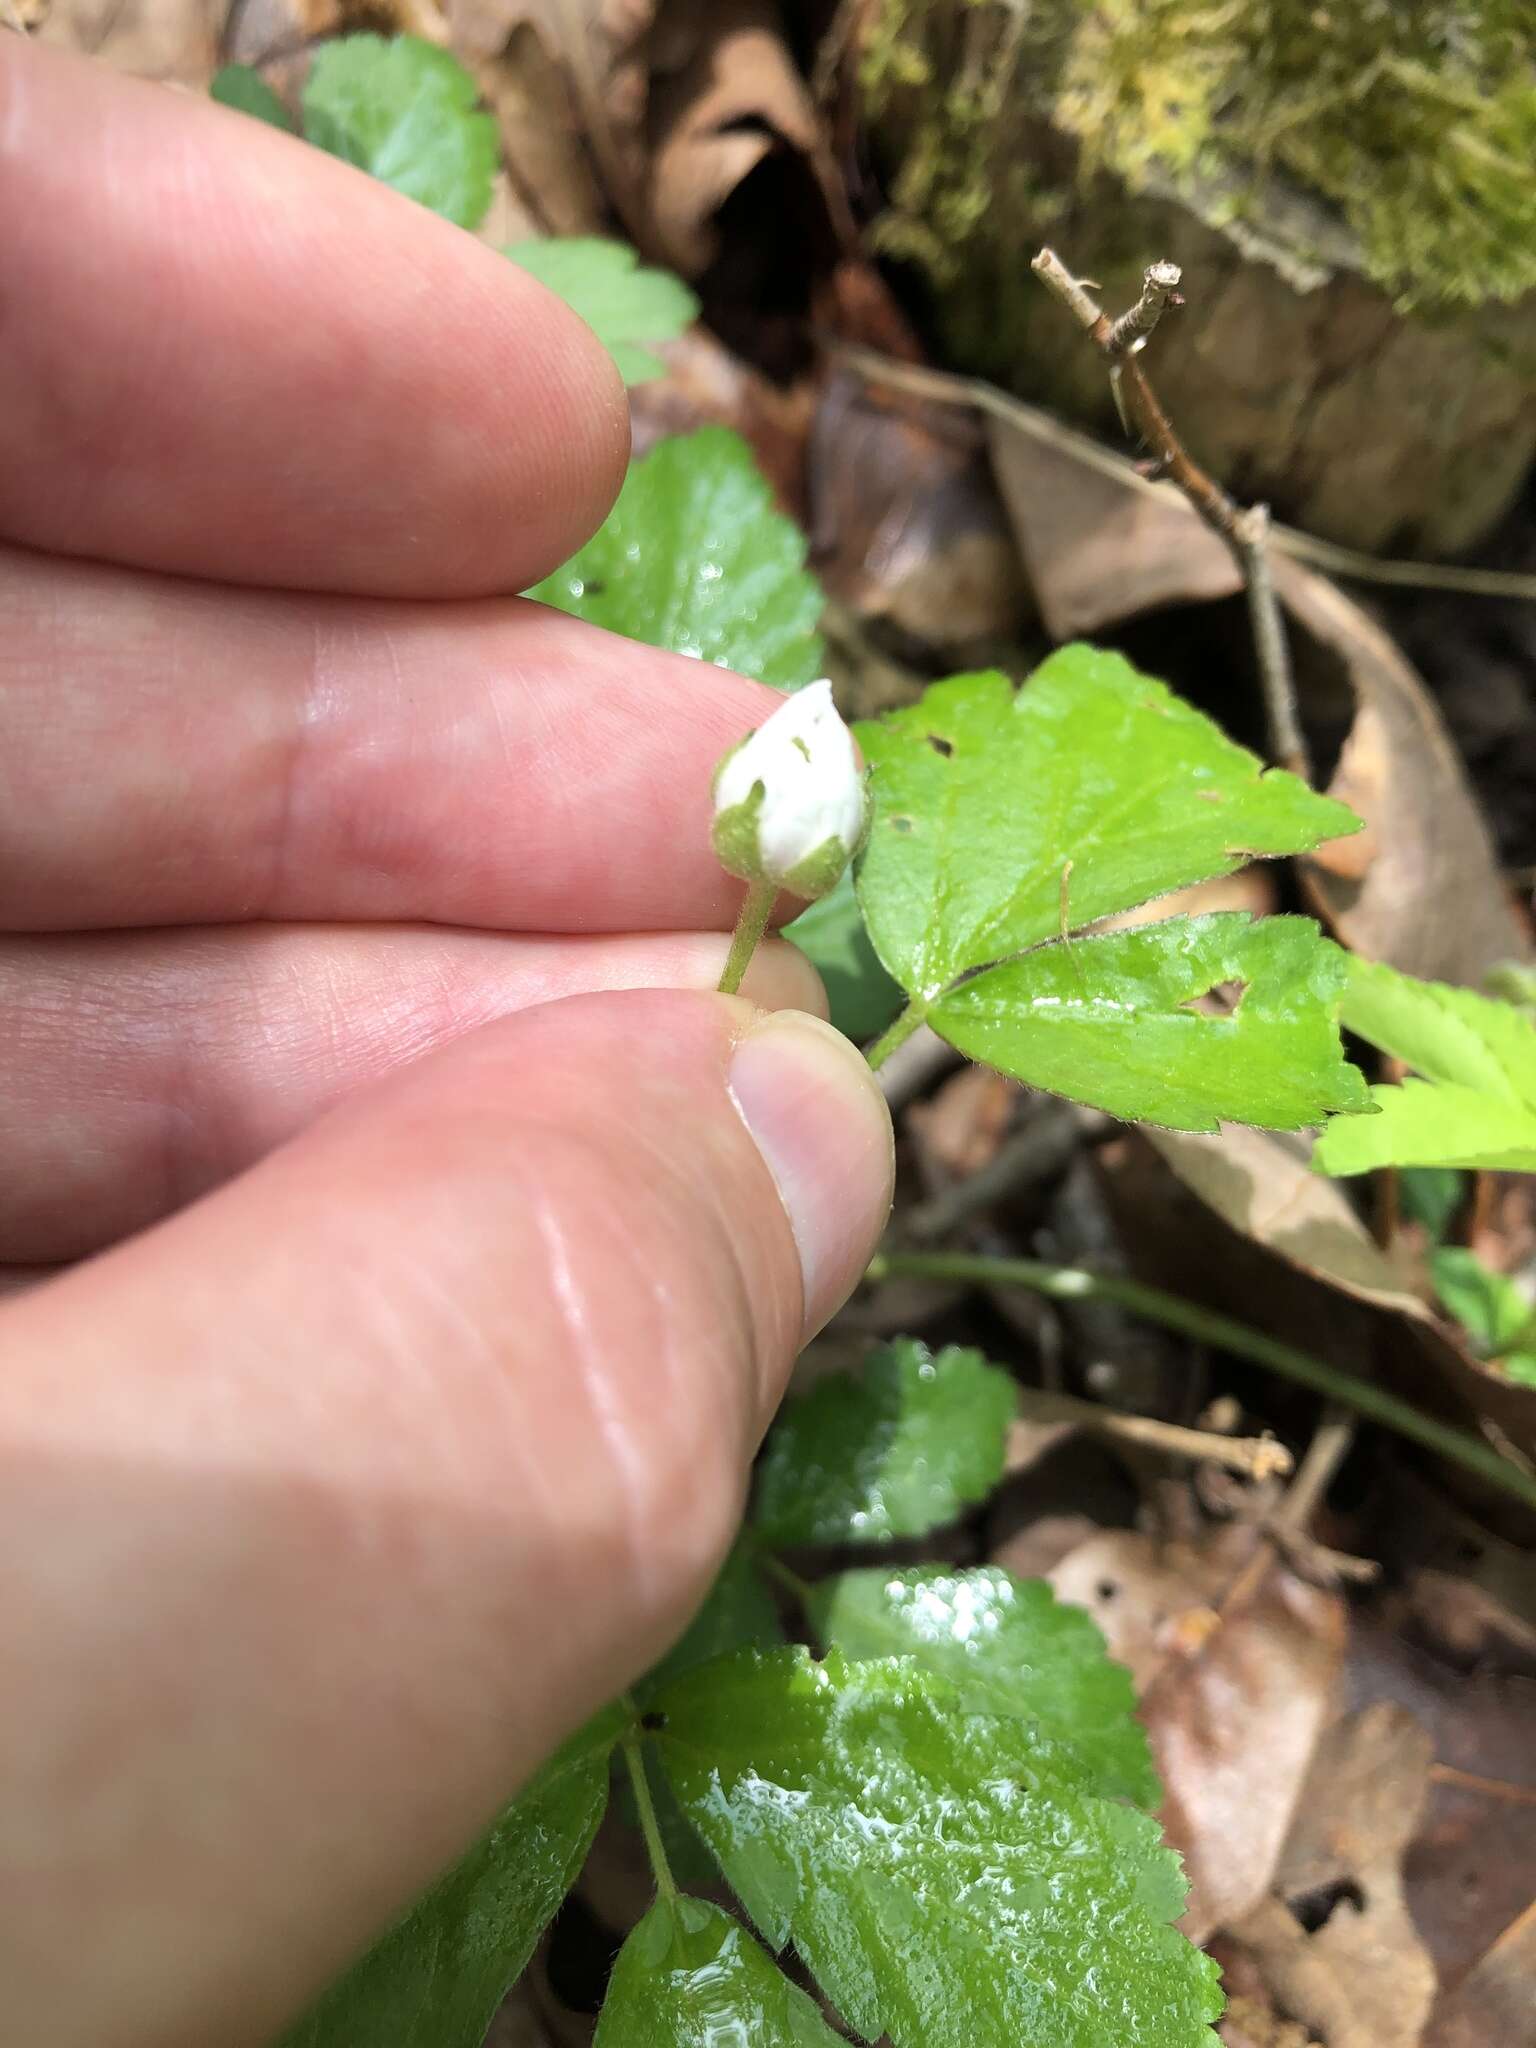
(1430, 1196)
(896, 1450)
(1010, 1647)
(406, 111)
(437, 1977)
(623, 304)
(1475, 1105)
(690, 1976)
(984, 794)
(738, 1614)
(1005, 819)
(949, 1877)
(1488, 1305)
(1110, 1020)
(1519, 1366)
(862, 996)
(694, 557)
(238, 86)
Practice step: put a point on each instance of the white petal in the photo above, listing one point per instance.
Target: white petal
(813, 789)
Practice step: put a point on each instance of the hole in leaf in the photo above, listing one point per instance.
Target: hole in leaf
(941, 746)
(1221, 999)
(901, 824)
(651, 1723)
(1314, 1909)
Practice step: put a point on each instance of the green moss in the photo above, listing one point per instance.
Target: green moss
(1415, 123)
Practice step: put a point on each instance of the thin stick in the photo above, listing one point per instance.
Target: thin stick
(1076, 1283)
(1256, 1457)
(1245, 531)
(943, 387)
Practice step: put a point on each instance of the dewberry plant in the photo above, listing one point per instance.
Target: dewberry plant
(929, 1805)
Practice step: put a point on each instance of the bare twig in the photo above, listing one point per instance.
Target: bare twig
(1256, 1457)
(1159, 291)
(943, 387)
(1036, 1153)
(1245, 530)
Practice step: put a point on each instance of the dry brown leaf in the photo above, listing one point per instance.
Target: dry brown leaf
(672, 106)
(176, 41)
(1098, 542)
(1420, 887)
(725, 95)
(1260, 1185)
(1495, 2003)
(1334, 1943)
(906, 528)
(1234, 1699)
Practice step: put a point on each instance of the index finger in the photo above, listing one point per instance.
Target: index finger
(226, 354)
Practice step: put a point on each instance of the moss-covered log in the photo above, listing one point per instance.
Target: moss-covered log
(1351, 192)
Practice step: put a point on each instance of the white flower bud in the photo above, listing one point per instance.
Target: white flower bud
(790, 806)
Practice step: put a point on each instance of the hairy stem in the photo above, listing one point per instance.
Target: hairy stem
(1209, 1327)
(751, 923)
(634, 1763)
(894, 1035)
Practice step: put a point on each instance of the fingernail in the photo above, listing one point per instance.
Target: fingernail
(821, 1123)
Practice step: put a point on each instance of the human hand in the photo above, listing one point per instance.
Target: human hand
(416, 1329)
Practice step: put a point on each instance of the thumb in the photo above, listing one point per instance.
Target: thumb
(331, 1504)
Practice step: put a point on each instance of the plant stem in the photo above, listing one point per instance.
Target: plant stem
(774, 1568)
(894, 1035)
(1244, 530)
(634, 1763)
(1209, 1327)
(751, 923)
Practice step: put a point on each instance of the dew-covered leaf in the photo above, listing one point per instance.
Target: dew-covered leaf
(626, 305)
(1000, 812)
(1009, 1646)
(436, 1978)
(406, 111)
(690, 1976)
(1472, 1099)
(1113, 1019)
(896, 1450)
(693, 557)
(238, 86)
(951, 1879)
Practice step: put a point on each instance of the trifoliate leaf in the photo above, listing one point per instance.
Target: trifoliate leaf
(1112, 1020)
(436, 1979)
(861, 996)
(238, 86)
(1475, 1105)
(406, 111)
(1010, 1647)
(1088, 791)
(738, 1614)
(623, 304)
(1487, 1304)
(896, 1450)
(693, 557)
(951, 1879)
(690, 1976)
